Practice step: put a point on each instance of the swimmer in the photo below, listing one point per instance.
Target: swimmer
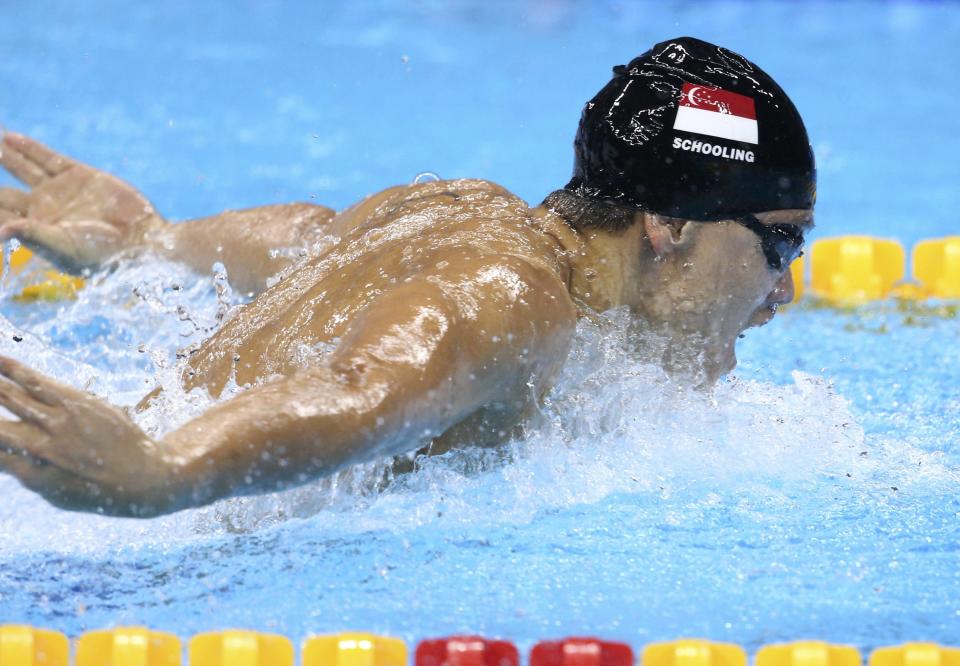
(450, 305)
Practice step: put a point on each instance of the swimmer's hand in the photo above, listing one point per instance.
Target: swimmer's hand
(74, 215)
(75, 450)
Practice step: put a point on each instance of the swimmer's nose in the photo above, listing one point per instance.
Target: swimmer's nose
(782, 292)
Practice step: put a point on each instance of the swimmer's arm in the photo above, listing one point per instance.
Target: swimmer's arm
(252, 244)
(79, 217)
(420, 359)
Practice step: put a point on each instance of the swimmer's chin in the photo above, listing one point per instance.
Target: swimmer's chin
(728, 365)
(763, 316)
(717, 370)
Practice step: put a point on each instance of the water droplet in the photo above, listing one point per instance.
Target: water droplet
(5, 268)
(426, 177)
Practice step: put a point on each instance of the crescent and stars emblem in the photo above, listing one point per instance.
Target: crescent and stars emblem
(720, 106)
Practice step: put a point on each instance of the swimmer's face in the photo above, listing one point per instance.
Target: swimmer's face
(722, 283)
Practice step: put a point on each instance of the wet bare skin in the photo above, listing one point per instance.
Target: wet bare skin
(435, 312)
(401, 240)
(446, 303)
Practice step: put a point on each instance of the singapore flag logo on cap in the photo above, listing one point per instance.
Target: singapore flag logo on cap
(716, 112)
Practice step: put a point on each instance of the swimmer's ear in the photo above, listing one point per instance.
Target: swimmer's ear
(666, 234)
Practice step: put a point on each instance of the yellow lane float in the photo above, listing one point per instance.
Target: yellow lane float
(354, 649)
(240, 648)
(26, 646)
(936, 266)
(693, 652)
(128, 646)
(798, 272)
(915, 654)
(851, 270)
(807, 653)
(55, 286)
(18, 259)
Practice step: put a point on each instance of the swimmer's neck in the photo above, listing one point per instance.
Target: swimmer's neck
(602, 268)
(611, 268)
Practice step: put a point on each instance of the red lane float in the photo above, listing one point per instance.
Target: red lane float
(466, 651)
(581, 652)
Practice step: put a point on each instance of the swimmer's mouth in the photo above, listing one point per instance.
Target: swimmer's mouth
(771, 312)
(763, 317)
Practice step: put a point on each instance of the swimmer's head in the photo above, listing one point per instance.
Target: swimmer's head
(694, 131)
(696, 285)
(693, 184)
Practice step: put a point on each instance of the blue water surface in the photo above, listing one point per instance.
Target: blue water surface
(814, 495)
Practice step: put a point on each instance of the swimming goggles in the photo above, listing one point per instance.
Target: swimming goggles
(781, 243)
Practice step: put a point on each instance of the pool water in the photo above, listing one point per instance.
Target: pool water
(812, 494)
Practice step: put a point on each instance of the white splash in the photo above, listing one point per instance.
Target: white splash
(613, 424)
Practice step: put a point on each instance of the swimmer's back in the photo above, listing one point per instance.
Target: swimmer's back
(467, 211)
(396, 236)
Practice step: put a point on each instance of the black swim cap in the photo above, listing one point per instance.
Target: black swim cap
(692, 130)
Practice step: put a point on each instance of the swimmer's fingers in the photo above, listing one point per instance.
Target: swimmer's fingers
(13, 204)
(19, 403)
(19, 442)
(52, 162)
(8, 227)
(30, 161)
(29, 471)
(53, 241)
(57, 486)
(71, 245)
(13, 201)
(35, 385)
(20, 167)
(44, 418)
(12, 433)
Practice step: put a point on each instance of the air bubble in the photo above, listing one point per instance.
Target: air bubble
(426, 177)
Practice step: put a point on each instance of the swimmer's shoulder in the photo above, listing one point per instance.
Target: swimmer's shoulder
(446, 188)
(448, 219)
(443, 199)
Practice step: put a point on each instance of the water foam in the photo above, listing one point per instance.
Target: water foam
(613, 424)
